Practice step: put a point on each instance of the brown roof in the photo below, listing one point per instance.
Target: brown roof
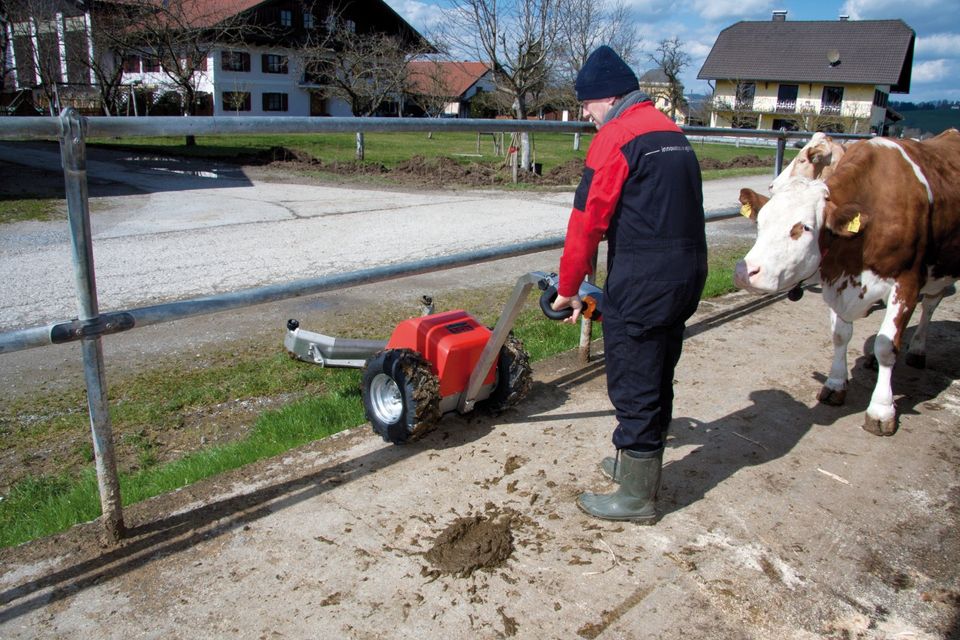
(444, 78)
(870, 52)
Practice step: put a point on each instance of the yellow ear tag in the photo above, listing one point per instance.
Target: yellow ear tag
(854, 225)
(746, 210)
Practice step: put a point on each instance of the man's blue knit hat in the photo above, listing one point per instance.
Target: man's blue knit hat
(604, 75)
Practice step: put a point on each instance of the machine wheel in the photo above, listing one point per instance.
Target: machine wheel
(514, 376)
(401, 395)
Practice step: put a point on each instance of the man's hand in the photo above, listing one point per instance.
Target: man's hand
(562, 302)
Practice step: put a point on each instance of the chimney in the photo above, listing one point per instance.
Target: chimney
(779, 15)
(844, 17)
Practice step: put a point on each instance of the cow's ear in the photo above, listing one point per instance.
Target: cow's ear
(846, 220)
(820, 154)
(751, 203)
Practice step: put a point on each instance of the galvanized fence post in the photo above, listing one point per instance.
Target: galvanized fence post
(73, 153)
(781, 148)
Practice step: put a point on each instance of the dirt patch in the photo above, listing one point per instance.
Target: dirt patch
(483, 541)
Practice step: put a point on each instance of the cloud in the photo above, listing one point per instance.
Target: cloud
(421, 15)
(922, 15)
(938, 44)
(932, 71)
(719, 9)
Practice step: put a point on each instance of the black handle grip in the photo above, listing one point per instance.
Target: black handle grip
(546, 299)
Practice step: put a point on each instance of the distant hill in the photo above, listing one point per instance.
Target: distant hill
(930, 120)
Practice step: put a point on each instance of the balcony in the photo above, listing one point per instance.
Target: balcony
(830, 109)
(786, 106)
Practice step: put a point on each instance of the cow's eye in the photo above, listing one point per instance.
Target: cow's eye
(807, 227)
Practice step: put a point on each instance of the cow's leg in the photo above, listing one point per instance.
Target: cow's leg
(881, 417)
(834, 391)
(917, 352)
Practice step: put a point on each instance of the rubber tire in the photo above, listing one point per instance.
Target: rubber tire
(514, 377)
(419, 394)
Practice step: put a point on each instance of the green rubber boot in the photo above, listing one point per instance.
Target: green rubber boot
(610, 468)
(636, 498)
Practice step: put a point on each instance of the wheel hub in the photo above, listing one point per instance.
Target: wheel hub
(385, 399)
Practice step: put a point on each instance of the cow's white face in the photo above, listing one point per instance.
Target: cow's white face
(786, 251)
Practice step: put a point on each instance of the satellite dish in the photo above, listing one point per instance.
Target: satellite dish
(833, 57)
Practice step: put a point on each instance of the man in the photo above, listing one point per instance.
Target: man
(641, 188)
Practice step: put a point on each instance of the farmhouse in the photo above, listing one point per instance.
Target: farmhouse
(241, 57)
(445, 89)
(834, 76)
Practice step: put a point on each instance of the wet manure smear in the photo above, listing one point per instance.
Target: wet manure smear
(471, 543)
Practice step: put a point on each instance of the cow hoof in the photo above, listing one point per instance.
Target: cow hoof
(832, 397)
(870, 362)
(880, 427)
(917, 360)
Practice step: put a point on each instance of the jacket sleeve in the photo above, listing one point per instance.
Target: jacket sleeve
(594, 204)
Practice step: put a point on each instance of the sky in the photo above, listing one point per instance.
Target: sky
(936, 62)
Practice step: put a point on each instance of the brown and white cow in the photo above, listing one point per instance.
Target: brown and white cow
(884, 227)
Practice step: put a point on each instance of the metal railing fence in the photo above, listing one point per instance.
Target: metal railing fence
(72, 131)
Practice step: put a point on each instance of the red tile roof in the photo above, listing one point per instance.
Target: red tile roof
(444, 78)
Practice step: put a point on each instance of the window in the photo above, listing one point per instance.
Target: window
(308, 22)
(350, 26)
(789, 125)
(273, 63)
(880, 99)
(274, 102)
(151, 65)
(787, 98)
(745, 93)
(235, 61)
(286, 18)
(236, 101)
(131, 64)
(831, 100)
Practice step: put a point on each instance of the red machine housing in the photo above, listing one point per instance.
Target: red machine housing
(451, 342)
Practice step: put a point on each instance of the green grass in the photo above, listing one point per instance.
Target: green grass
(18, 210)
(328, 401)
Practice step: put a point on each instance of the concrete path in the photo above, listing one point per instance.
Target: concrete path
(781, 517)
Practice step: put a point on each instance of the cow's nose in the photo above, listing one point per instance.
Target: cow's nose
(744, 273)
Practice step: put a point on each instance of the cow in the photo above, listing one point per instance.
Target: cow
(884, 227)
(817, 160)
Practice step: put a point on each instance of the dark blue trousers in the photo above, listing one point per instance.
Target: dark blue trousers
(640, 371)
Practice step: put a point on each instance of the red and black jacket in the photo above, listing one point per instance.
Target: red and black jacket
(641, 187)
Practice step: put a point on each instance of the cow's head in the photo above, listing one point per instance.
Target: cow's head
(816, 161)
(788, 224)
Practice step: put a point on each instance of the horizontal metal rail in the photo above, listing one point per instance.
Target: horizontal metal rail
(103, 126)
(115, 322)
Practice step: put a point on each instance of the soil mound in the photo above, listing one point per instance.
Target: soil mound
(471, 543)
(747, 161)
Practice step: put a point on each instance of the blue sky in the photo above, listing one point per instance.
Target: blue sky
(936, 64)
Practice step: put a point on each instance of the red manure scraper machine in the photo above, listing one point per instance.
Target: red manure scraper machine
(433, 364)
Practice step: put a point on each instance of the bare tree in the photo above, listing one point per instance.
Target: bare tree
(36, 46)
(428, 84)
(587, 24)
(174, 37)
(516, 39)
(366, 70)
(672, 59)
